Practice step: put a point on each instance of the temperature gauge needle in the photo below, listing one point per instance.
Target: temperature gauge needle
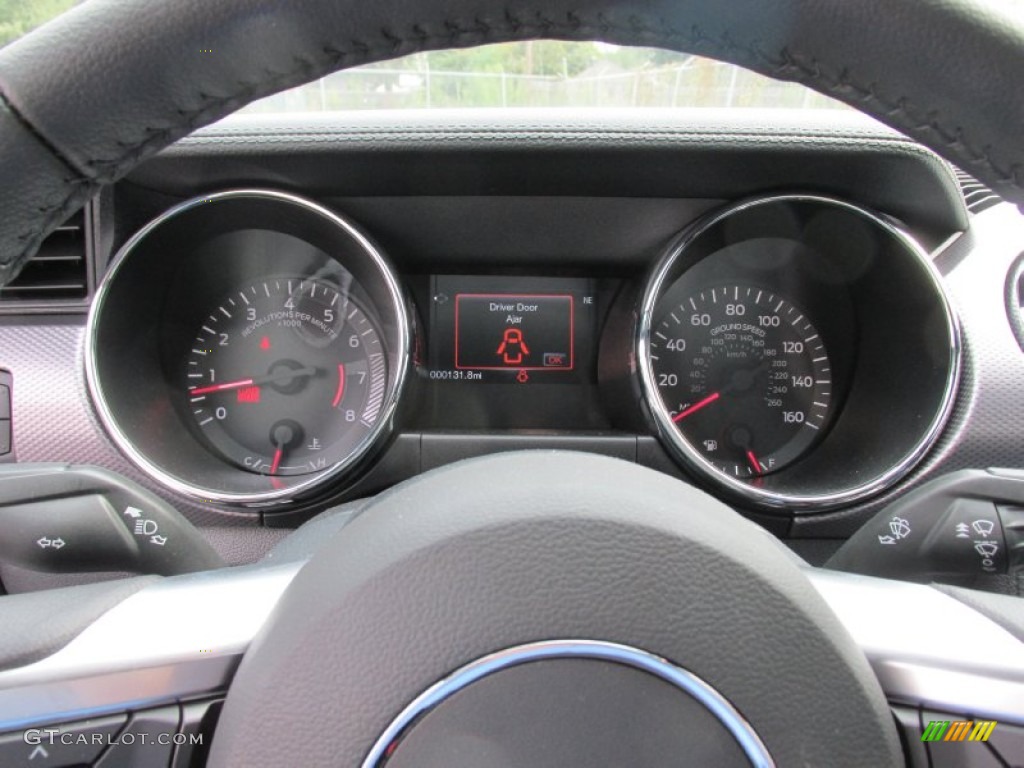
(696, 407)
(282, 435)
(754, 463)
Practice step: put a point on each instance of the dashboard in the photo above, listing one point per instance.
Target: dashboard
(773, 311)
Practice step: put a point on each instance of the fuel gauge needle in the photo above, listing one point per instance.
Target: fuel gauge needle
(754, 463)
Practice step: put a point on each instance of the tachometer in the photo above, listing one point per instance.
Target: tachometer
(286, 376)
(744, 376)
(249, 348)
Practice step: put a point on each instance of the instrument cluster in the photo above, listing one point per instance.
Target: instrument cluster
(254, 348)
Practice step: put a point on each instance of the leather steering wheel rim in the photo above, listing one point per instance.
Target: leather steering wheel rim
(87, 97)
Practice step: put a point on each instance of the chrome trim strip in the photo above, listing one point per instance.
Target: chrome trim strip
(927, 648)
(176, 484)
(1014, 312)
(673, 439)
(182, 637)
(741, 730)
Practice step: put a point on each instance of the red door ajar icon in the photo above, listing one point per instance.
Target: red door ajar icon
(513, 347)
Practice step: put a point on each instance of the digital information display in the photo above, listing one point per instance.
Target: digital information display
(509, 328)
(501, 331)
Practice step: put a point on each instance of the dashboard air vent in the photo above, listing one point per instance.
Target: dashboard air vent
(57, 276)
(977, 196)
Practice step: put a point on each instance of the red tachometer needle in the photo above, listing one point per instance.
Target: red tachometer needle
(754, 463)
(281, 375)
(221, 387)
(277, 460)
(696, 406)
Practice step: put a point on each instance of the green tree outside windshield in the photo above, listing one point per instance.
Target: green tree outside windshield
(18, 17)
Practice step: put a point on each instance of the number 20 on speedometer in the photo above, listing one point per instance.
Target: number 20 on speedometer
(744, 376)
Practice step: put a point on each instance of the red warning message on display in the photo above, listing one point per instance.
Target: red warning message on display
(514, 332)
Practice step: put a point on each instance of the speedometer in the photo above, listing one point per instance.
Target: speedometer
(767, 359)
(744, 375)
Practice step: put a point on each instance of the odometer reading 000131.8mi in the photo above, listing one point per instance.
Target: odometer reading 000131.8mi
(744, 376)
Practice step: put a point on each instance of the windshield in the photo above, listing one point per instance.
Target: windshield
(536, 74)
(545, 73)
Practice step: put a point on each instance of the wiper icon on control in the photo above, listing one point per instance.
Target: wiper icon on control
(983, 527)
(986, 548)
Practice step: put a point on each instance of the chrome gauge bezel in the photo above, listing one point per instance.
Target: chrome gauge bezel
(1014, 305)
(304, 486)
(743, 491)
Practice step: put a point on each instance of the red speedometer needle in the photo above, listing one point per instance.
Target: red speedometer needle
(277, 460)
(696, 406)
(221, 387)
(754, 463)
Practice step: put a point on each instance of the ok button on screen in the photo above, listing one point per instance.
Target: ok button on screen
(514, 331)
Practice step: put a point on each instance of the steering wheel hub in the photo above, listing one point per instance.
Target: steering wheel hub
(558, 703)
(512, 552)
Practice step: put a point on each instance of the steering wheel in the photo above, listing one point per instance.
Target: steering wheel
(541, 609)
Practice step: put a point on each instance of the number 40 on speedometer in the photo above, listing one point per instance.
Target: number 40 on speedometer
(744, 375)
